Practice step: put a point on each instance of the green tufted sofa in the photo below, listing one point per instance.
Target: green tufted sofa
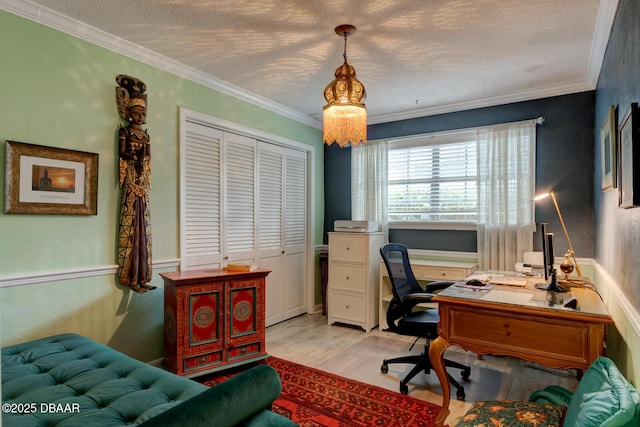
(70, 380)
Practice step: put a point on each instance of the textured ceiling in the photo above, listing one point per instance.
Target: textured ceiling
(415, 57)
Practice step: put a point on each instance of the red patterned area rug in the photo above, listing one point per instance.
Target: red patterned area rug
(314, 398)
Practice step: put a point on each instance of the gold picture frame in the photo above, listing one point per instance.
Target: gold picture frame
(608, 150)
(629, 158)
(49, 181)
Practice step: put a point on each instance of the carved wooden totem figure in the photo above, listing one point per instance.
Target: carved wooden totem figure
(134, 239)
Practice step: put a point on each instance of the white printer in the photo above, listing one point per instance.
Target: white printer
(343, 225)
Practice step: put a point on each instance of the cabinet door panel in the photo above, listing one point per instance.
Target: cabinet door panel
(246, 311)
(204, 318)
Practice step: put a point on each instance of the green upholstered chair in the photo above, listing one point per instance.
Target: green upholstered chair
(603, 398)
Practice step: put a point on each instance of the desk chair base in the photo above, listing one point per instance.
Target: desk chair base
(423, 363)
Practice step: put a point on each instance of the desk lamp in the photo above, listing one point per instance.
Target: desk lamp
(564, 228)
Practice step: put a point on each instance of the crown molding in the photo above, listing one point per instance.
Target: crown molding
(80, 30)
(604, 22)
(75, 28)
(525, 95)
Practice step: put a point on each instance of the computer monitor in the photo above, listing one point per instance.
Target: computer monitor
(545, 259)
(548, 257)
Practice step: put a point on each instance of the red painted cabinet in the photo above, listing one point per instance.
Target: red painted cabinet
(213, 320)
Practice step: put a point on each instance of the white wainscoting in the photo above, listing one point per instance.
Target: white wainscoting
(53, 276)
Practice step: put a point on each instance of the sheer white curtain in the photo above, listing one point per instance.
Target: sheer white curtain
(369, 183)
(506, 185)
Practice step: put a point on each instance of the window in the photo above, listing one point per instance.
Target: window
(433, 178)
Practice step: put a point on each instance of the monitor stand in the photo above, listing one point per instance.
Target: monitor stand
(553, 285)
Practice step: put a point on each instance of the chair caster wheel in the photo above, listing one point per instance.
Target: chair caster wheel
(384, 368)
(466, 373)
(460, 393)
(404, 389)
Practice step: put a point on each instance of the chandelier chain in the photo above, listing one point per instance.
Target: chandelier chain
(344, 55)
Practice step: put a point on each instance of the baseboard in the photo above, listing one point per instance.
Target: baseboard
(157, 363)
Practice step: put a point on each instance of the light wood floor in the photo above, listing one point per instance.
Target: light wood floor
(310, 341)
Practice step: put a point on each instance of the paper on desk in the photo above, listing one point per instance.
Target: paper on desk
(509, 281)
(479, 276)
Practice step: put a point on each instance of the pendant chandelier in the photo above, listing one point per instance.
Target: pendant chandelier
(345, 116)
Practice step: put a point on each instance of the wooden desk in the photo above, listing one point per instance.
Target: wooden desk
(511, 321)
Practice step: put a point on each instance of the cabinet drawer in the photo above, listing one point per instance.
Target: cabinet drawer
(442, 273)
(243, 351)
(347, 306)
(347, 276)
(348, 248)
(202, 361)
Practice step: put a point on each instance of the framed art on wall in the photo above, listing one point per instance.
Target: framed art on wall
(47, 180)
(608, 150)
(629, 183)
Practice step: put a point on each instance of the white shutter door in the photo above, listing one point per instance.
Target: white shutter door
(295, 220)
(295, 200)
(239, 206)
(270, 188)
(200, 193)
(269, 231)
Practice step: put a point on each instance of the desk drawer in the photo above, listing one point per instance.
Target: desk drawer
(522, 335)
(442, 273)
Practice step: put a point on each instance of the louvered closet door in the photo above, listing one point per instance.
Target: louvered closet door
(270, 223)
(244, 200)
(295, 223)
(200, 192)
(239, 157)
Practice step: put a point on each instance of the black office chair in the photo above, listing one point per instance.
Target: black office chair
(404, 320)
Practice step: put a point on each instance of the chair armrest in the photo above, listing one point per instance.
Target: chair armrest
(438, 286)
(227, 403)
(417, 298)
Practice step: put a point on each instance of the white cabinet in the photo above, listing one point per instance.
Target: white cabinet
(353, 293)
(425, 270)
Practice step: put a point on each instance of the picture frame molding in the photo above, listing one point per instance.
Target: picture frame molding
(608, 150)
(21, 198)
(629, 158)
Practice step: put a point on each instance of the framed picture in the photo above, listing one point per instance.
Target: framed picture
(608, 150)
(629, 183)
(46, 180)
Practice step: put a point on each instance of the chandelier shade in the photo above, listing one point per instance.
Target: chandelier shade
(345, 115)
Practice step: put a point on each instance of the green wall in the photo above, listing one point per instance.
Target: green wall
(57, 90)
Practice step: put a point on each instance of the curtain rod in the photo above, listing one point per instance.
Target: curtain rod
(539, 121)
